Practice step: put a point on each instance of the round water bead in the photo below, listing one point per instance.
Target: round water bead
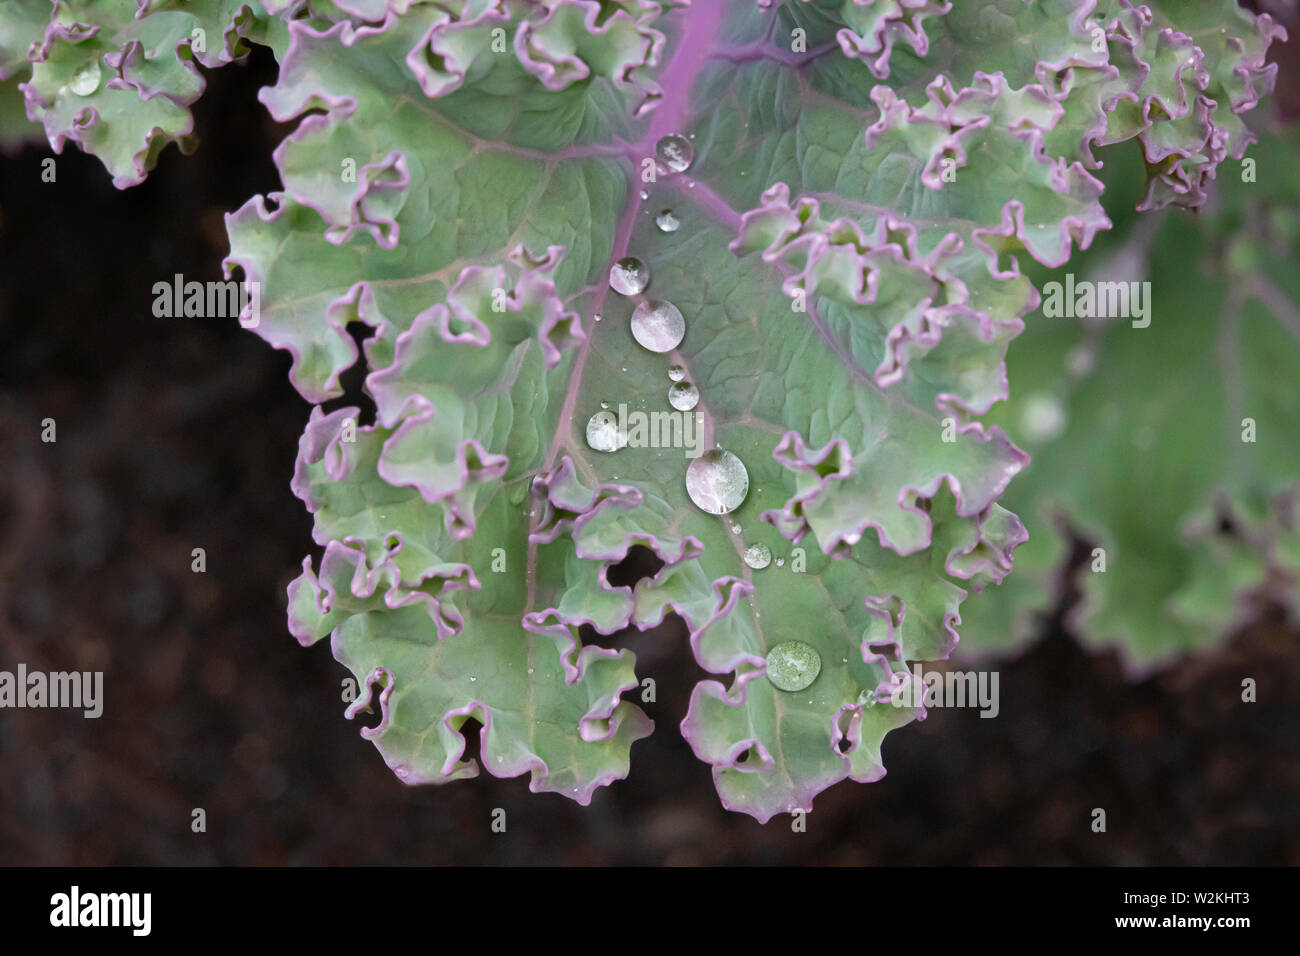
(629, 276)
(758, 556)
(666, 221)
(86, 80)
(717, 482)
(658, 326)
(603, 433)
(674, 152)
(676, 373)
(683, 396)
(793, 665)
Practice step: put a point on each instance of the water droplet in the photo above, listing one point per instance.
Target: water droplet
(86, 80)
(676, 373)
(666, 221)
(793, 665)
(644, 194)
(603, 433)
(780, 562)
(597, 316)
(473, 679)
(675, 152)
(629, 276)
(530, 670)
(758, 556)
(717, 482)
(604, 404)
(658, 326)
(683, 396)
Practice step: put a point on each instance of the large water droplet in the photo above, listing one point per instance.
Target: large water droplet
(793, 665)
(629, 276)
(658, 326)
(676, 373)
(717, 482)
(683, 396)
(758, 556)
(603, 433)
(86, 80)
(666, 221)
(675, 152)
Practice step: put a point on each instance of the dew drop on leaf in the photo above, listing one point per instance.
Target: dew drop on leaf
(86, 80)
(793, 665)
(603, 434)
(629, 276)
(658, 326)
(758, 556)
(676, 373)
(780, 562)
(666, 221)
(717, 482)
(683, 396)
(675, 152)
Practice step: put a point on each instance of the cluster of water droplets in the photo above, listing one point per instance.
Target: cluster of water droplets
(717, 481)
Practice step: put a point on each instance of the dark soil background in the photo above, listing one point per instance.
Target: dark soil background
(181, 433)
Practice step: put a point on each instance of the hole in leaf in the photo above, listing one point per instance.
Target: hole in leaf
(640, 563)
(472, 731)
(353, 380)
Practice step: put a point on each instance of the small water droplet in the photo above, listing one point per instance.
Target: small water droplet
(473, 679)
(793, 665)
(717, 482)
(676, 373)
(780, 562)
(603, 432)
(644, 194)
(629, 276)
(683, 396)
(658, 326)
(597, 316)
(758, 556)
(86, 80)
(675, 152)
(666, 221)
(530, 670)
(604, 404)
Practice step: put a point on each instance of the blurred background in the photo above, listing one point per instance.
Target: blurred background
(181, 433)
